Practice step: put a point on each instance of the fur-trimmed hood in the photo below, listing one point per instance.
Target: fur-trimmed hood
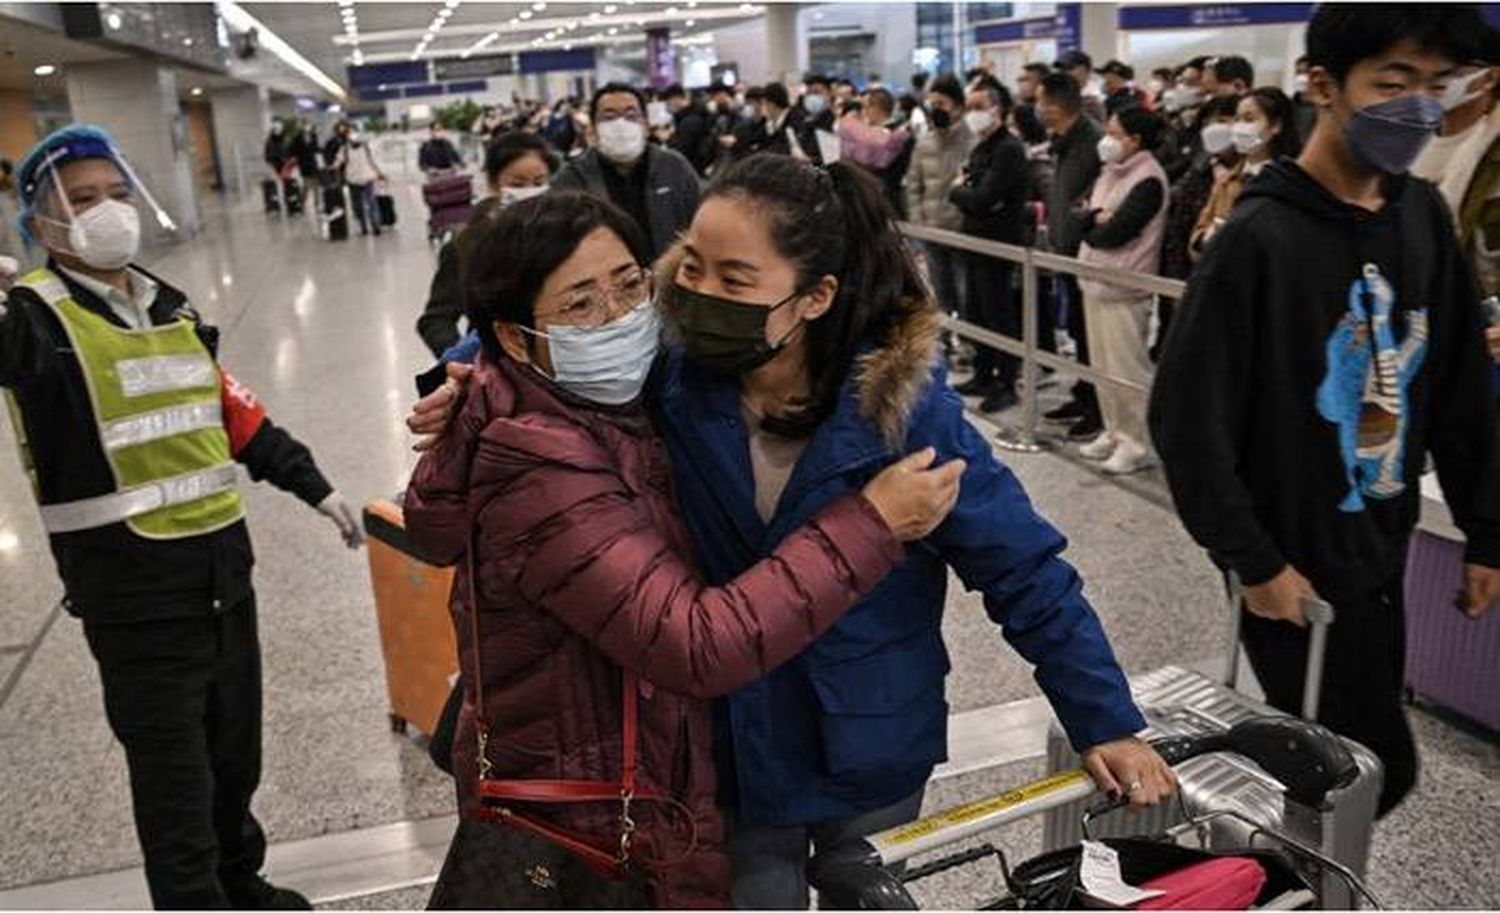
(889, 379)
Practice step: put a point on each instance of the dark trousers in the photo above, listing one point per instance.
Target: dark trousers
(1071, 300)
(945, 272)
(992, 304)
(183, 696)
(769, 864)
(1363, 679)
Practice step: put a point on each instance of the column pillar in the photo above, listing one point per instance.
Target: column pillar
(1101, 32)
(783, 50)
(242, 120)
(136, 101)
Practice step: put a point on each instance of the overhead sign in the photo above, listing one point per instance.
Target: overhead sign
(474, 67)
(381, 76)
(557, 61)
(1065, 28)
(1211, 15)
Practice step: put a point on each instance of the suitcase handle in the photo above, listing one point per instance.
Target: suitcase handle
(1319, 615)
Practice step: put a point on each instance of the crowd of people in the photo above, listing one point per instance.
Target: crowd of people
(1288, 401)
(691, 444)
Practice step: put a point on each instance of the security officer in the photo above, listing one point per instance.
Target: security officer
(130, 432)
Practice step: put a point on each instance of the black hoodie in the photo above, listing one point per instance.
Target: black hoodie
(1280, 444)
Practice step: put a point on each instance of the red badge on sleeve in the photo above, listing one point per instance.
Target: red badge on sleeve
(243, 412)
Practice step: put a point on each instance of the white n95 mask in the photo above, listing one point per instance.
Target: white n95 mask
(1217, 137)
(509, 196)
(621, 141)
(106, 236)
(607, 364)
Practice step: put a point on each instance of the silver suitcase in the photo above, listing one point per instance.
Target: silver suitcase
(1179, 702)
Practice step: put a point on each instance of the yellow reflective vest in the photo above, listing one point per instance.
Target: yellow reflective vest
(155, 397)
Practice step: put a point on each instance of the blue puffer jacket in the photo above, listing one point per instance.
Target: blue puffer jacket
(858, 721)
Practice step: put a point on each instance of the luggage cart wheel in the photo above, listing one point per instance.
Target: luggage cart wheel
(398, 725)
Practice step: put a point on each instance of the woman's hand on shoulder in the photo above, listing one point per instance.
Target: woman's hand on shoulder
(913, 496)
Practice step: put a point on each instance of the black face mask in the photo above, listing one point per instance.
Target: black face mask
(725, 335)
(940, 118)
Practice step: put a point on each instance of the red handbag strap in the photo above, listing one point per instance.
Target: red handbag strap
(562, 791)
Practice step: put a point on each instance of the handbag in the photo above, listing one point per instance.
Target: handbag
(503, 802)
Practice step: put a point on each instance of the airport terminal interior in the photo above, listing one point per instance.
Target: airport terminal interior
(319, 319)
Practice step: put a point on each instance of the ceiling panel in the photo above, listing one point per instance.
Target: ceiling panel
(312, 27)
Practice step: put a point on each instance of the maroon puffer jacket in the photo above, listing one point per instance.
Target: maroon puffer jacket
(582, 569)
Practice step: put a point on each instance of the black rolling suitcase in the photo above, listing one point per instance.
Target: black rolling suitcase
(387, 206)
(292, 192)
(272, 195)
(335, 214)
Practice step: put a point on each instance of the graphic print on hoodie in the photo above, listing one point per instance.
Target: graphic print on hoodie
(1321, 351)
(1365, 392)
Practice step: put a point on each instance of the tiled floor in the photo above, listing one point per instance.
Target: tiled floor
(324, 333)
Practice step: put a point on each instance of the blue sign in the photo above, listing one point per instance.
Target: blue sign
(459, 88)
(1065, 28)
(375, 75)
(1211, 15)
(423, 91)
(557, 61)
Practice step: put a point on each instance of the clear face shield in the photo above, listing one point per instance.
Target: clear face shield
(104, 231)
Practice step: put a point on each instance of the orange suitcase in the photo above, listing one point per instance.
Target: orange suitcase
(416, 631)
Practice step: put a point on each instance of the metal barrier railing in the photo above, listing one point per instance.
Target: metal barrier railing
(1023, 438)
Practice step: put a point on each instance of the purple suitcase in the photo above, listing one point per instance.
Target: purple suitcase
(1451, 660)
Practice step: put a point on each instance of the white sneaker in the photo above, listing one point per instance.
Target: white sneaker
(1129, 457)
(1100, 447)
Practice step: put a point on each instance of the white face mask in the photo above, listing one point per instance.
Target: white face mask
(1457, 93)
(658, 114)
(621, 141)
(1110, 149)
(1300, 83)
(979, 122)
(1217, 137)
(606, 364)
(510, 196)
(814, 103)
(106, 236)
(1154, 86)
(1248, 137)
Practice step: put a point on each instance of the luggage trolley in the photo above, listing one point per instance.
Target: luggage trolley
(1252, 781)
(1311, 761)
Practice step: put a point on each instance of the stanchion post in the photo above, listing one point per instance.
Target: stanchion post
(1030, 329)
(1024, 439)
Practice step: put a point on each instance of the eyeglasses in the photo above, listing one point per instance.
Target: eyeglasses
(598, 306)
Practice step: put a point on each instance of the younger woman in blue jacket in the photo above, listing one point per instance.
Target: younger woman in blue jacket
(809, 363)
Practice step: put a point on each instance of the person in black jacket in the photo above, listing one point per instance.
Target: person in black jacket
(516, 166)
(1075, 142)
(725, 118)
(275, 150)
(690, 130)
(304, 148)
(1330, 339)
(131, 456)
(815, 111)
(991, 192)
(438, 152)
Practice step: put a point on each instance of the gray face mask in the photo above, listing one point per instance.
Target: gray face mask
(1387, 137)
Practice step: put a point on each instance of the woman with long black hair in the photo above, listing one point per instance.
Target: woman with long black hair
(809, 363)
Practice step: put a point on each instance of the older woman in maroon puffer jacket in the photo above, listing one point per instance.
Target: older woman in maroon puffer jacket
(554, 474)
